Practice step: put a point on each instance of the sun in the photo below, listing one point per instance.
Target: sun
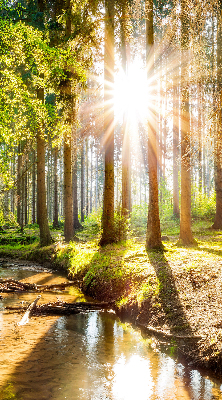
(131, 93)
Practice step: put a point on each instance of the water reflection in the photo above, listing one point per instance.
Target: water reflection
(91, 357)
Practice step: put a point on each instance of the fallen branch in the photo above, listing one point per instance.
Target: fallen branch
(11, 285)
(30, 309)
(62, 308)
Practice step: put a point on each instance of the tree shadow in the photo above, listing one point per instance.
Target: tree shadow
(211, 251)
(171, 312)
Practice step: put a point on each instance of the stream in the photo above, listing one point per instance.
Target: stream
(89, 356)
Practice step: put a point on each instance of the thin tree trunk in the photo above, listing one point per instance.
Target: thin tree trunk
(176, 105)
(218, 145)
(76, 222)
(87, 179)
(19, 173)
(56, 206)
(153, 235)
(108, 203)
(91, 177)
(26, 195)
(125, 127)
(67, 93)
(45, 237)
(96, 186)
(33, 187)
(200, 183)
(68, 201)
(82, 181)
(186, 236)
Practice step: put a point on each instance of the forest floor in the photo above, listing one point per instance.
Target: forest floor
(175, 295)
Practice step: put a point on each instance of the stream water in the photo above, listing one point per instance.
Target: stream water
(91, 356)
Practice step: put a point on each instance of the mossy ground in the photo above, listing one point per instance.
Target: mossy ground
(176, 291)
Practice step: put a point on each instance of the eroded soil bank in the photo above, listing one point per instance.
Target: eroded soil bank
(175, 295)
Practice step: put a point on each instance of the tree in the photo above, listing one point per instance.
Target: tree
(45, 236)
(108, 201)
(67, 95)
(176, 210)
(218, 151)
(125, 128)
(186, 236)
(153, 235)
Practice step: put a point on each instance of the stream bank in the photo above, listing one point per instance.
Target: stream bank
(176, 299)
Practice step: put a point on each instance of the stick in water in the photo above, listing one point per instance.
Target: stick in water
(25, 317)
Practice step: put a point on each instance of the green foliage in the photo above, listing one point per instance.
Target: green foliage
(203, 206)
(138, 219)
(165, 201)
(92, 224)
(121, 225)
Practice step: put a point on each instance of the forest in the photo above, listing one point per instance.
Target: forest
(111, 156)
(106, 109)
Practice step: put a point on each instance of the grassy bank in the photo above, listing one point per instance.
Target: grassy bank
(175, 294)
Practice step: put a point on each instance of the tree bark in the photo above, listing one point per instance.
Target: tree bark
(108, 235)
(87, 178)
(56, 207)
(67, 94)
(45, 237)
(76, 222)
(82, 181)
(153, 235)
(19, 173)
(218, 150)
(26, 195)
(186, 236)
(125, 127)
(68, 200)
(176, 210)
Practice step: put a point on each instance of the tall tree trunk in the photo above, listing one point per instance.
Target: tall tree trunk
(176, 210)
(33, 188)
(68, 200)
(26, 195)
(108, 203)
(186, 236)
(45, 237)
(19, 174)
(153, 235)
(56, 206)
(67, 93)
(125, 127)
(96, 185)
(199, 128)
(87, 178)
(82, 181)
(91, 177)
(76, 222)
(218, 143)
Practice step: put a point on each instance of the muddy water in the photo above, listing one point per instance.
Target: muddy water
(89, 356)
